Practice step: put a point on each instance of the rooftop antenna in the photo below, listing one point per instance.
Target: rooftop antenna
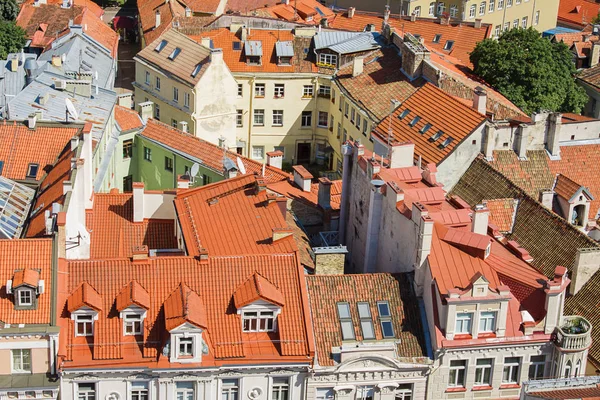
(241, 166)
(71, 110)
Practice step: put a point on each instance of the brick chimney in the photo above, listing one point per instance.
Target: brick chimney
(261, 186)
(275, 159)
(140, 254)
(146, 110)
(138, 202)
(481, 215)
(413, 56)
(402, 155)
(302, 178)
(480, 100)
(324, 196)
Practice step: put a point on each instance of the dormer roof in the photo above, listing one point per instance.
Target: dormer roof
(257, 287)
(133, 295)
(27, 276)
(569, 189)
(184, 305)
(84, 296)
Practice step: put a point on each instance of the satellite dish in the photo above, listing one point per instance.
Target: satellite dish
(71, 109)
(84, 234)
(241, 165)
(194, 170)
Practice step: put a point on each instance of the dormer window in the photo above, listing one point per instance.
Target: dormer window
(258, 302)
(258, 321)
(84, 304)
(463, 323)
(84, 325)
(253, 50)
(25, 286)
(132, 324)
(487, 321)
(25, 297)
(186, 347)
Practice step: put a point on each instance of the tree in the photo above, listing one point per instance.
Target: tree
(12, 38)
(532, 72)
(8, 10)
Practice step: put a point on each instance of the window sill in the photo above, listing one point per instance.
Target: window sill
(510, 386)
(278, 125)
(307, 97)
(239, 126)
(480, 388)
(259, 97)
(322, 126)
(306, 127)
(456, 389)
(259, 125)
(462, 336)
(278, 97)
(485, 335)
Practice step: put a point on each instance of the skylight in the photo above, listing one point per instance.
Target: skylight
(445, 143)
(366, 322)
(414, 121)
(237, 45)
(15, 201)
(404, 114)
(449, 44)
(385, 317)
(161, 45)
(436, 136)
(425, 128)
(174, 54)
(345, 321)
(196, 70)
(436, 38)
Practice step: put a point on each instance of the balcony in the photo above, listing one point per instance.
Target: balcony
(574, 333)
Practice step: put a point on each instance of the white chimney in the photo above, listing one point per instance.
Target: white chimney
(480, 100)
(157, 19)
(125, 100)
(275, 159)
(480, 220)
(547, 198)
(216, 56)
(205, 41)
(31, 120)
(183, 183)
(351, 11)
(67, 187)
(402, 155)
(357, 66)
(138, 202)
(302, 178)
(146, 110)
(183, 125)
(554, 128)
(188, 12)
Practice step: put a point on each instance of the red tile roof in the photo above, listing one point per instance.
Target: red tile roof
(565, 187)
(90, 4)
(325, 291)
(309, 12)
(99, 31)
(114, 234)
(202, 6)
(230, 217)
(184, 306)
(256, 288)
(27, 276)
(127, 119)
(572, 37)
(290, 190)
(577, 13)
(84, 296)
(21, 146)
(147, 14)
(245, 6)
(210, 154)
(438, 111)
(32, 255)
(502, 213)
(210, 283)
(133, 294)
(588, 393)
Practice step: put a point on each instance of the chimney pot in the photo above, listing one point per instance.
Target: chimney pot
(302, 178)
(183, 126)
(146, 110)
(32, 120)
(480, 100)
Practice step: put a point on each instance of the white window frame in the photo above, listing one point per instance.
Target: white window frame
(139, 391)
(456, 370)
(308, 91)
(491, 6)
(417, 11)
(325, 393)
(500, 5)
(258, 113)
(524, 22)
(23, 366)
(157, 83)
(186, 100)
(134, 321)
(187, 345)
(537, 17)
(508, 3)
(230, 389)
(325, 90)
(279, 90)
(277, 118)
(472, 11)
(516, 23)
(157, 112)
(25, 293)
(148, 78)
(88, 394)
(487, 321)
(404, 392)
(240, 90)
(364, 392)
(482, 369)
(366, 320)
(327, 59)
(453, 11)
(497, 31)
(280, 388)
(432, 8)
(262, 152)
(463, 318)
(258, 320)
(482, 7)
(239, 118)
(441, 7)
(186, 393)
(259, 90)
(510, 367)
(85, 320)
(345, 319)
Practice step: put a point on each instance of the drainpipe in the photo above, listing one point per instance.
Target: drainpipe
(347, 165)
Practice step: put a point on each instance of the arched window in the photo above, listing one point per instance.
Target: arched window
(432, 8)
(567, 373)
(577, 368)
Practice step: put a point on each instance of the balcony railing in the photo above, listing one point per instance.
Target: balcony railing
(574, 333)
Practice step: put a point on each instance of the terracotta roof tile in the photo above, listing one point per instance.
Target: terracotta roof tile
(502, 213)
(591, 76)
(84, 296)
(202, 6)
(43, 23)
(27, 276)
(133, 294)
(147, 14)
(33, 255)
(325, 291)
(256, 288)
(289, 189)
(99, 31)
(301, 11)
(577, 12)
(433, 113)
(184, 306)
(127, 119)
(589, 393)
(90, 4)
(244, 6)
(565, 187)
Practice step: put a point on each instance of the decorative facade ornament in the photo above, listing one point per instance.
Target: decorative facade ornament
(113, 396)
(254, 393)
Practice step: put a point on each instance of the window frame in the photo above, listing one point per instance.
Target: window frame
(472, 10)
(259, 320)
(157, 83)
(462, 316)
(482, 369)
(88, 394)
(239, 118)
(230, 389)
(280, 388)
(482, 8)
(306, 119)
(366, 319)
(84, 320)
(324, 91)
(25, 292)
(279, 87)
(279, 115)
(258, 112)
(308, 91)
(240, 90)
(484, 318)
(186, 100)
(168, 164)
(24, 361)
(458, 381)
(327, 59)
(385, 319)
(491, 6)
(148, 78)
(147, 154)
(260, 90)
(345, 320)
(127, 149)
(534, 366)
(513, 368)
(431, 11)
(262, 152)
(32, 170)
(139, 391)
(187, 345)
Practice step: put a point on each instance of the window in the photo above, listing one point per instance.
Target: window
(385, 319)
(500, 4)
(517, 2)
(506, 26)
(277, 117)
(240, 91)
(358, 118)
(174, 123)
(472, 11)
(32, 170)
(492, 6)
(457, 373)
(339, 130)
(341, 101)
(436, 38)
(483, 372)
(366, 322)
(323, 118)
(331, 123)
(328, 59)
(536, 369)
(453, 11)
(139, 391)
(425, 128)
(404, 392)
(306, 118)
(239, 118)
(258, 321)
(524, 22)
(258, 152)
(431, 8)
(168, 164)
(279, 90)
(417, 12)
(497, 31)
(21, 360)
(482, 8)
(176, 95)
(352, 115)
(184, 391)
(449, 44)
(86, 391)
(487, 321)
(347, 110)
(324, 91)
(414, 121)
(511, 370)
(365, 126)
(205, 179)
(157, 83)
(133, 322)
(186, 346)
(567, 372)
(281, 388)
(147, 78)
(174, 53)
(259, 90)
(157, 112)
(516, 23)
(259, 117)
(161, 46)
(25, 297)
(84, 325)
(463, 322)
(508, 3)
(127, 148)
(441, 7)
(365, 393)
(325, 394)
(536, 20)
(345, 321)
(307, 91)
(229, 389)
(147, 154)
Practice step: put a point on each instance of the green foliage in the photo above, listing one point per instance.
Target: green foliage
(532, 72)
(596, 19)
(12, 38)
(8, 10)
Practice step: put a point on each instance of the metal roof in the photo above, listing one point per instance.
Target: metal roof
(12, 83)
(15, 202)
(96, 109)
(346, 42)
(253, 48)
(284, 49)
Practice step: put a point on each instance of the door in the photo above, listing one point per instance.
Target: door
(303, 153)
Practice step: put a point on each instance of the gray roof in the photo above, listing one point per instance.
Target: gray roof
(12, 83)
(253, 48)
(15, 202)
(81, 55)
(284, 49)
(96, 109)
(347, 42)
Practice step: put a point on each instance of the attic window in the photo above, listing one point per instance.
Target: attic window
(84, 325)
(132, 324)
(436, 136)
(196, 70)
(32, 170)
(425, 128)
(366, 322)
(345, 321)
(237, 46)
(25, 297)
(174, 54)
(404, 114)
(436, 38)
(161, 46)
(258, 321)
(449, 44)
(445, 143)
(385, 318)
(414, 121)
